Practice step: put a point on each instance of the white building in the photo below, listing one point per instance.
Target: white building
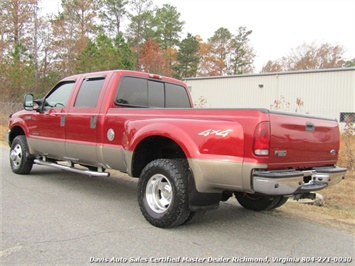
(326, 93)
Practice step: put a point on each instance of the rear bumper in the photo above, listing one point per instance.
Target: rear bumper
(296, 182)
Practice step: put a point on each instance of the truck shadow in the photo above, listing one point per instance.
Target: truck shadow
(123, 189)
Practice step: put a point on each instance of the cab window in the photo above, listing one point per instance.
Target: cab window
(176, 96)
(59, 96)
(133, 91)
(89, 92)
(140, 92)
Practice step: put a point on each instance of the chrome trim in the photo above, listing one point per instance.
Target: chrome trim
(159, 193)
(274, 183)
(70, 168)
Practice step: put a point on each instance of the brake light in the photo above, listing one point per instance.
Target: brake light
(153, 76)
(261, 143)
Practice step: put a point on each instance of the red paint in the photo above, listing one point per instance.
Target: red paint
(218, 134)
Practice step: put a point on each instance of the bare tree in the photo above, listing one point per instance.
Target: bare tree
(308, 56)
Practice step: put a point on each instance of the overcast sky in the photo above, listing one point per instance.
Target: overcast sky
(277, 25)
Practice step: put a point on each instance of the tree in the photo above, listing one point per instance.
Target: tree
(140, 28)
(124, 51)
(72, 30)
(82, 13)
(98, 55)
(272, 66)
(17, 43)
(187, 57)
(228, 54)
(168, 26)
(105, 54)
(152, 59)
(112, 14)
(349, 63)
(309, 56)
(242, 57)
(221, 45)
(206, 67)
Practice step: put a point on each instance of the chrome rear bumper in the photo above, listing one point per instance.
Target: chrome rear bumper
(289, 182)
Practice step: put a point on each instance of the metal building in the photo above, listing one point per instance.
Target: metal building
(327, 93)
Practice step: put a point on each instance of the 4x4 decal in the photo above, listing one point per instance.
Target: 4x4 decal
(223, 133)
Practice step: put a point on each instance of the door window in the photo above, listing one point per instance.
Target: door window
(133, 91)
(59, 96)
(89, 93)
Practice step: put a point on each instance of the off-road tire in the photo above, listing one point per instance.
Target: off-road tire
(174, 174)
(20, 160)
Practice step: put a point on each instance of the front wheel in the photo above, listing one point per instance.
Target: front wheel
(163, 193)
(19, 156)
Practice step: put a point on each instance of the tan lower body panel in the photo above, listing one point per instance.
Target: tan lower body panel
(211, 176)
(218, 175)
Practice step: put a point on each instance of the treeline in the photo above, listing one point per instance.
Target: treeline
(87, 35)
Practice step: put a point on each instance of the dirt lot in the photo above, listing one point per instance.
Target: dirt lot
(338, 211)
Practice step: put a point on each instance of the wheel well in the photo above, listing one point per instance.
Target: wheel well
(15, 131)
(153, 148)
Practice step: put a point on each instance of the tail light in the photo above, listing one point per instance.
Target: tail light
(261, 144)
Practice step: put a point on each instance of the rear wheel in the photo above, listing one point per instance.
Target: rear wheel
(258, 202)
(163, 193)
(20, 161)
(281, 202)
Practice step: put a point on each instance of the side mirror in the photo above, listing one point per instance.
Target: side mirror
(28, 102)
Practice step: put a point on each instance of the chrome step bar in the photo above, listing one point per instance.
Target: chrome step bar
(71, 168)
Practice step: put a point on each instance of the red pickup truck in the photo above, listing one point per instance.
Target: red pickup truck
(187, 160)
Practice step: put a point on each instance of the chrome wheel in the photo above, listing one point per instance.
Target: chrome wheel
(163, 193)
(16, 155)
(159, 193)
(20, 160)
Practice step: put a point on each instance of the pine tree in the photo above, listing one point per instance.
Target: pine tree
(187, 57)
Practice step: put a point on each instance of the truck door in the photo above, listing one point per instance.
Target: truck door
(82, 121)
(46, 127)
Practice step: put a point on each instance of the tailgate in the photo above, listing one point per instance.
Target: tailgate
(299, 141)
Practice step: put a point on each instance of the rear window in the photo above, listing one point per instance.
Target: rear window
(176, 96)
(140, 92)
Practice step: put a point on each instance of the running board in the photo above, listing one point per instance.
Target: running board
(72, 169)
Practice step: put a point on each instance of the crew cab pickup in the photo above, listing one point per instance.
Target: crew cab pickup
(187, 160)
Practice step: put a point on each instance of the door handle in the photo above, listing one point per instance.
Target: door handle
(310, 126)
(62, 120)
(93, 121)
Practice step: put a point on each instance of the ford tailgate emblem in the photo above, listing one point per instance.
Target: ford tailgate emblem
(280, 153)
(333, 152)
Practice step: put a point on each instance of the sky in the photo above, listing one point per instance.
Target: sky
(278, 25)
